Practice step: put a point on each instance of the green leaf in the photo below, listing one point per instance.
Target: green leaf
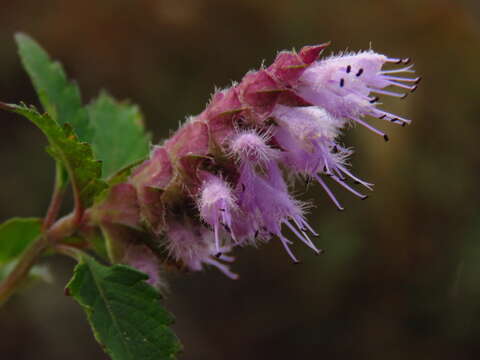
(124, 311)
(15, 236)
(120, 138)
(77, 157)
(59, 97)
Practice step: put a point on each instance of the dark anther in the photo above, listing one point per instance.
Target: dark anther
(404, 96)
(297, 262)
(222, 209)
(217, 255)
(399, 61)
(335, 149)
(418, 80)
(365, 197)
(414, 88)
(227, 229)
(256, 234)
(404, 123)
(342, 82)
(406, 60)
(349, 68)
(243, 187)
(360, 72)
(381, 117)
(324, 169)
(385, 136)
(356, 182)
(375, 99)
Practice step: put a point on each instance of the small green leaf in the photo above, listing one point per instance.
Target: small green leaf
(59, 97)
(77, 157)
(15, 235)
(120, 138)
(124, 311)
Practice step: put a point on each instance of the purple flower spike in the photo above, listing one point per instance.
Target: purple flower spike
(219, 181)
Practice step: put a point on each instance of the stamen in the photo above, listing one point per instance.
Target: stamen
(329, 192)
(391, 116)
(370, 127)
(342, 82)
(349, 68)
(285, 243)
(305, 239)
(393, 71)
(360, 72)
(389, 93)
(352, 190)
(403, 86)
(222, 267)
(399, 78)
(217, 239)
(360, 181)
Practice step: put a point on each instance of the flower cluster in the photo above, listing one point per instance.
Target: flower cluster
(220, 180)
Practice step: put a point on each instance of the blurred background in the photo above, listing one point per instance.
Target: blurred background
(401, 274)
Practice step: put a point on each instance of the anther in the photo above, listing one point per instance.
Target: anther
(417, 80)
(385, 137)
(342, 82)
(375, 99)
(256, 234)
(217, 255)
(360, 72)
(364, 197)
(383, 116)
(349, 68)
(413, 89)
(406, 60)
(222, 209)
(404, 96)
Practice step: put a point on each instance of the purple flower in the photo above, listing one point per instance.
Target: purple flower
(343, 85)
(193, 246)
(217, 204)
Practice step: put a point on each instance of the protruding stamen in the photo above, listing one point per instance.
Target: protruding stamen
(389, 93)
(403, 86)
(222, 267)
(360, 181)
(393, 71)
(399, 78)
(349, 188)
(390, 116)
(368, 126)
(285, 243)
(329, 192)
(305, 239)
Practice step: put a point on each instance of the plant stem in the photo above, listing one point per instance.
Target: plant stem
(22, 268)
(63, 228)
(57, 198)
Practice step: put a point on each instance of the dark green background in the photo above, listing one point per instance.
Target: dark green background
(401, 275)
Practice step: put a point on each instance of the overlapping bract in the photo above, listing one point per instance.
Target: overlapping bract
(219, 181)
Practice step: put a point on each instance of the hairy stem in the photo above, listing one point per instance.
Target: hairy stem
(57, 197)
(22, 268)
(63, 228)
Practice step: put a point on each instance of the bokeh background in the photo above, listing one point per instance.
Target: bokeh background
(401, 275)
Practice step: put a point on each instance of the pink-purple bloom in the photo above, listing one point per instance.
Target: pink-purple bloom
(221, 180)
